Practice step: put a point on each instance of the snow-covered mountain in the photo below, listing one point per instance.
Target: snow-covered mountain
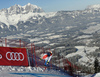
(62, 30)
(94, 6)
(16, 13)
(32, 20)
(13, 15)
(17, 9)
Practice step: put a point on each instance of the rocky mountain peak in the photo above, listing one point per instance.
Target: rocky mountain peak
(94, 6)
(32, 8)
(17, 9)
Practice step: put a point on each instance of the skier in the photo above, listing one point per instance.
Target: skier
(47, 57)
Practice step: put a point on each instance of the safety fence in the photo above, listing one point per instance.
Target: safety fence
(34, 53)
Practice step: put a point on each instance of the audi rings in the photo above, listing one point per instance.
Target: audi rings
(15, 56)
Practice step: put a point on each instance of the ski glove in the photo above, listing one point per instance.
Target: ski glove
(48, 62)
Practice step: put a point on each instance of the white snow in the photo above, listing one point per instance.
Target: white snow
(94, 6)
(45, 41)
(92, 29)
(54, 36)
(94, 75)
(33, 6)
(69, 27)
(30, 31)
(53, 44)
(3, 18)
(47, 34)
(84, 36)
(97, 75)
(50, 14)
(13, 36)
(2, 26)
(81, 52)
(61, 47)
(13, 19)
(16, 71)
(35, 39)
(86, 41)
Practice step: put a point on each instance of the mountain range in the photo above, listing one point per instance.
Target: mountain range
(20, 18)
(62, 30)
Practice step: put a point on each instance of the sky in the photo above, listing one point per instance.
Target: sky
(52, 5)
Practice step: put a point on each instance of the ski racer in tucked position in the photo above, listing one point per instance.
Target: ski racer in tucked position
(47, 57)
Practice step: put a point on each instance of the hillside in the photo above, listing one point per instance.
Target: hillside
(63, 31)
(8, 71)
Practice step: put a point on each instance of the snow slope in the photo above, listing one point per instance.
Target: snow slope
(12, 71)
(84, 59)
(97, 75)
(94, 75)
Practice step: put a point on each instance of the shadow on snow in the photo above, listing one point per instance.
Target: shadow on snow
(39, 75)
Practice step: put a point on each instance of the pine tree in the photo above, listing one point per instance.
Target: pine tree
(96, 65)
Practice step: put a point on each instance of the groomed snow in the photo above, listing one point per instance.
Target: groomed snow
(14, 71)
(97, 75)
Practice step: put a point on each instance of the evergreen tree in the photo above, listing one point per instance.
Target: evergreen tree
(96, 65)
(98, 68)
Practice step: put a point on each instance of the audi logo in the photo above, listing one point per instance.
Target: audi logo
(15, 56)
